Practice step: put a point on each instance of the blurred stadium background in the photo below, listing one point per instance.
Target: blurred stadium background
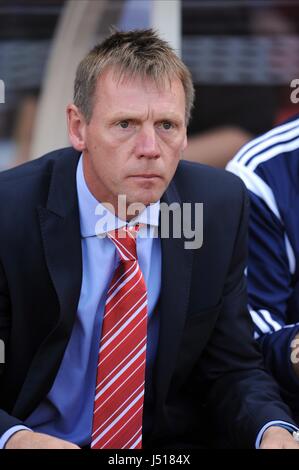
(243, 56)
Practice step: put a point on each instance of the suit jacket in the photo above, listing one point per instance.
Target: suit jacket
(208, 374)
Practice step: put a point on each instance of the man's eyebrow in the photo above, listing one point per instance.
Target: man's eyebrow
(167, 115)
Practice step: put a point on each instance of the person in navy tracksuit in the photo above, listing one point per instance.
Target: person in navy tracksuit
(269, 166)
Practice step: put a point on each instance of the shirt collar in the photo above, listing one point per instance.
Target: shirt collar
(96, 219)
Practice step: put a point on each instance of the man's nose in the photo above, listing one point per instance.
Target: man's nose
(146, 144)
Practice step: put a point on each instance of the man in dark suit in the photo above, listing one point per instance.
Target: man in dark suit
(188, 369)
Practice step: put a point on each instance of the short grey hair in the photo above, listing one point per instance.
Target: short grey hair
(137, 53)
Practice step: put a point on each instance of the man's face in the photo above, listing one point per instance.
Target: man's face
(134, 139)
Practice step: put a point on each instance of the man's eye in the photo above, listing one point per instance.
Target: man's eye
(167, 125)
(124, 124)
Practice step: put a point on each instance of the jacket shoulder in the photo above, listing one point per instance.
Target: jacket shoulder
(35, 167)
(207, 182)
(28, 185)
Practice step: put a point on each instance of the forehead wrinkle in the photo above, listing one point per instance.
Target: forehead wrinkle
(122, 76)
(152, 85)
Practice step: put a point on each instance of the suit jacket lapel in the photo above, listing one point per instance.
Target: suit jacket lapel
(176, 278)
(60, 229)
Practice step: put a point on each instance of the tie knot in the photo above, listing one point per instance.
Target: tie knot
(124, 240)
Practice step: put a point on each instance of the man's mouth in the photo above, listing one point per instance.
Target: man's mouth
(146, 175)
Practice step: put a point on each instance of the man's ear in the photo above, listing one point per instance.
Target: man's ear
(76, 127)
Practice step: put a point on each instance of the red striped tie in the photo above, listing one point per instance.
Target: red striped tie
(117, 420)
